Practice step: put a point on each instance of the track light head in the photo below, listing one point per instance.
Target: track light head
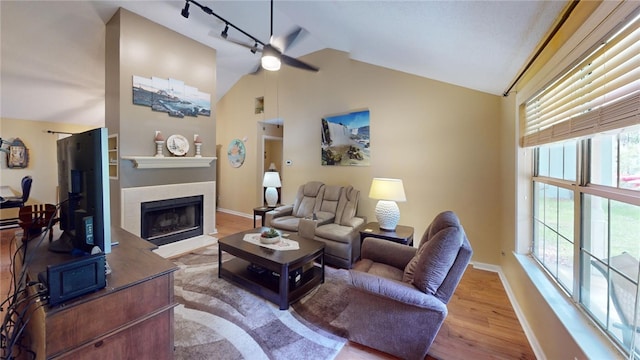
(224, 32)
(185, 11)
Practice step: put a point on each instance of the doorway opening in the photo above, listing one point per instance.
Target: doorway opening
(271, 153)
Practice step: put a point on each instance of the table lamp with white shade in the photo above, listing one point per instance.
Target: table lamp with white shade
(271, 181)
(387, 191)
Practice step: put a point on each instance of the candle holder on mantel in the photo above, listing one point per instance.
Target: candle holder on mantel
(198, 144)
(159, 140)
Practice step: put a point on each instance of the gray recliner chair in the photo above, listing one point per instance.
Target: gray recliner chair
(398, 294)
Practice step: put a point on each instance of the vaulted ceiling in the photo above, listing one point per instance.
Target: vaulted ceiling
(52, 52)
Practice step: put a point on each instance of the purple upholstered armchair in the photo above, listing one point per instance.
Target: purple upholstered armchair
(398, 294)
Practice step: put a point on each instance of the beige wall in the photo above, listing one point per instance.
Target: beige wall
(137, 46)
(43, 163)
(438, 138)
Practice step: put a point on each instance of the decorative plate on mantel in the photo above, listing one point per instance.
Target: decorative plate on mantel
(178, 145)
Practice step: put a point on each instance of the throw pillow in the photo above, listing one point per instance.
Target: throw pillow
(436, 259)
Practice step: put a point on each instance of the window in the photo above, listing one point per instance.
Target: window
(554, 232)
(608, 218)
(585, 131)
(615, 160)
(553, 211)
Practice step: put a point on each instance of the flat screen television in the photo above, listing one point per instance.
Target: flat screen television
(83, 190)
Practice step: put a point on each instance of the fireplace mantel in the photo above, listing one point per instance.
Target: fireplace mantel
(152, 162)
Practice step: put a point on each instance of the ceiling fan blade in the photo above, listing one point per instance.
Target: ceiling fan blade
(282, 43)
(297, 63)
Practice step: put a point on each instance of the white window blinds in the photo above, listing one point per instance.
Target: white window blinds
(601, 93)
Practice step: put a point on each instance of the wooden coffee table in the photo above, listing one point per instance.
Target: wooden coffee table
(269, 275)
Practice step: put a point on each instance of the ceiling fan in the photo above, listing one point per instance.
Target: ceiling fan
(273, 52)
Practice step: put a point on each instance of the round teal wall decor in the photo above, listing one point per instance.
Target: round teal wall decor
(236, 153)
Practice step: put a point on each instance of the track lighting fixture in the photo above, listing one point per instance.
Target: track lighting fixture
(185, 11)
(224, 32)
(272, 57)
(227, 24)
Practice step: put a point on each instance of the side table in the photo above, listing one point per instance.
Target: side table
(261, 211)
(402, 234)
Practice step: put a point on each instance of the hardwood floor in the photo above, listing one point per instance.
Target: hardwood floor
(481, 323)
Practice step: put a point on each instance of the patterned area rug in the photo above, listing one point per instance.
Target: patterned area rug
(218, 320)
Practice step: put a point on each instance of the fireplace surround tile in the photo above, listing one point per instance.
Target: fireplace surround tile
(133, 197)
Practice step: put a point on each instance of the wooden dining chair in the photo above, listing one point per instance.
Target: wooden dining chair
(33, 218)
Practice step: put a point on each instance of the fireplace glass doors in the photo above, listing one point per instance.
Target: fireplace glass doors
(170, 220)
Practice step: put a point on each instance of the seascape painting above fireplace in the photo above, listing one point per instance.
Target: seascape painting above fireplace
(171, 96)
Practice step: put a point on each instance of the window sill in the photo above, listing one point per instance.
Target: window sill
(587, 336)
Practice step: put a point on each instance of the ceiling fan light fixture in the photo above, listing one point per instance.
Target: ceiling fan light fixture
(185, 11)
(270, 62)
(270, 59)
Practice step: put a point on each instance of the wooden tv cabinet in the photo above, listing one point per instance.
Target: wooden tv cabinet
(132, 318)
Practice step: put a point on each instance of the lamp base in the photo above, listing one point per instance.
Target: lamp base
(387, 214)
(271, 196)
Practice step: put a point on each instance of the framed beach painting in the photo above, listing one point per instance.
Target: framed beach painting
(345, 139)
(171, 96)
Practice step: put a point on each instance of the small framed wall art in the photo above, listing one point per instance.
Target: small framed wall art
(18, 156)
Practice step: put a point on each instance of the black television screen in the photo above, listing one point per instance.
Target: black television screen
(83, 190)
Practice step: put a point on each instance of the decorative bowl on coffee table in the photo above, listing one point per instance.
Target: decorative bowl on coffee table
(269, 240)
(270, 236)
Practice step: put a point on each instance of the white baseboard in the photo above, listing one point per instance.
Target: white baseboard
(531, 337)
(237, 213)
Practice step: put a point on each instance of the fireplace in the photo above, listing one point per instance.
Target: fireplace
(133, 197)
(170, 220)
